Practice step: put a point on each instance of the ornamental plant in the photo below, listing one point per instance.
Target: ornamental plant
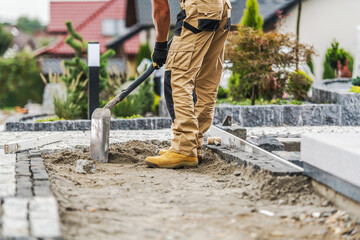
(262, 60)
(336, 58)
(299, 84)
(252, 17)
(77, 67)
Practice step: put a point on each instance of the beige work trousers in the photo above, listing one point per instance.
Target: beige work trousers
(195, 61)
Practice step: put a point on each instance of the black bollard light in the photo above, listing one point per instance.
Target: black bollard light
(93, 66)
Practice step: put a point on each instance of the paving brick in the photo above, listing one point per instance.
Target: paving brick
(14, 219)
(44, 218)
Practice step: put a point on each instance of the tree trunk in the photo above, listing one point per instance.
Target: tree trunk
(253, 95)
(298, 32)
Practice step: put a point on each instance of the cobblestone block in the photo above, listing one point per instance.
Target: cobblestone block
(44, 219)
(7, 189)
(273, 115)
(83, 125)
(41, 176)
(292, 115)
(85, 166)
(15, 228)
(39, 126)
(143, 123)
(29, 126)
(114, 125)
(42, 190)
(60, 126)
(70, 125)
(34, 153)
(10, 126)
(125, 124)
(253, 116)
(331, 114)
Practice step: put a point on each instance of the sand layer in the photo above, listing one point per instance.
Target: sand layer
(217, 200)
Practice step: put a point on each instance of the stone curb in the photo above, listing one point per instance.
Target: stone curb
(281, 115)
(85, 125)
(349, 102)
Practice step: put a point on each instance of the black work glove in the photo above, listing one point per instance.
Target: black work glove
(159, 54)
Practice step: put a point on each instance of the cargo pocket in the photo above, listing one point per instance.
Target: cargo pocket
(180, 55)
(209, 16)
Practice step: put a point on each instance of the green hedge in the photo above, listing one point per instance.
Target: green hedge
(20, 81)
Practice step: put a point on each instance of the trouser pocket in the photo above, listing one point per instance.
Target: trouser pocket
(180, 55)
(209, 16)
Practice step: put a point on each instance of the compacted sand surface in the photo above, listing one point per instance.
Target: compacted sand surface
(217, 200)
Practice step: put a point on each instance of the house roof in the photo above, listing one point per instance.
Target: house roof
(87, 20)
(139, 17)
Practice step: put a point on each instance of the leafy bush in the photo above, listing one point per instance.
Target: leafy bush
(356, 81)
(299, 84)
(310, 64)
(70, 108)
(355, 89)
(136, 104)
(78, 67)
(262, 60)
(222, 93)
(20, 81)
(334, 55)
(143, 53)
(252, 17)
(126, 108)
(329, 72)
(5, 40)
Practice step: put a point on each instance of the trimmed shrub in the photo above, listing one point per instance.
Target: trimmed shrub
(252, 17)
(299, 84)
(334, 55)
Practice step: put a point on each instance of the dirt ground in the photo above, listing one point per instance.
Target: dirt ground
(126, 200)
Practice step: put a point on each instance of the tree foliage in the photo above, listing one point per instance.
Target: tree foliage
(5, 40)
(28, 25)
(252, 17)
(143, 53)
(20, 81)
(262, 60)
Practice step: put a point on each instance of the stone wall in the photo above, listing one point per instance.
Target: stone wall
(280, 115)
(349, 102)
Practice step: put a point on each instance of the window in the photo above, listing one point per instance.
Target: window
(113, 27)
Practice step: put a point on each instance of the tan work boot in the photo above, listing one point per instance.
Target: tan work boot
(162, 151)
(171, 160)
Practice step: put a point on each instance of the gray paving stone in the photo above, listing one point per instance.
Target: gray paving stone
(14, 218)
(44, 218)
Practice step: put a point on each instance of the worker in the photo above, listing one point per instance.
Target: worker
(193, 63)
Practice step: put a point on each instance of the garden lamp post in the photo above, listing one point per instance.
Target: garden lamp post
(93, 68)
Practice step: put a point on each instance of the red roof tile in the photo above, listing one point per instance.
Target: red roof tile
(87, 20)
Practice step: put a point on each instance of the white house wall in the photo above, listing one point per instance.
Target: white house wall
(322, 21)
